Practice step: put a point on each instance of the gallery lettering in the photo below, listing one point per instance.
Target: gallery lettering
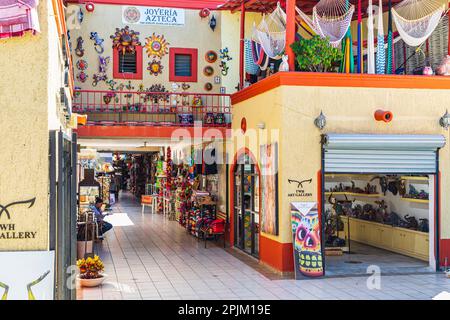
(8, 232)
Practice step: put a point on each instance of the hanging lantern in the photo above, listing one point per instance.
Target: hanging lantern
(212, 23)
(90, 7)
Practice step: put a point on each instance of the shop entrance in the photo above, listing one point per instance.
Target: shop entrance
(378, 203)
(246, 206)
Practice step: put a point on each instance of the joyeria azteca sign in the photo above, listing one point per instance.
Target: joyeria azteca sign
(153, 16)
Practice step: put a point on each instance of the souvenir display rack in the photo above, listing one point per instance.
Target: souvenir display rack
(88, 189)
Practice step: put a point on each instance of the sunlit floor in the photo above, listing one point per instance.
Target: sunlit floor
(153, 258)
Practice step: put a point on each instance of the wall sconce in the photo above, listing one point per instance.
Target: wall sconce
(444, 121)
(90, 7)
(213, 23)
(320, 121)
(261, 125)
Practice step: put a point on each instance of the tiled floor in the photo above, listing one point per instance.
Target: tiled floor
(156, 259)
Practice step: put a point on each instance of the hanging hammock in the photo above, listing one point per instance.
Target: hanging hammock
(271, 33)
(330, 18)
(416, 19)
(250, 64)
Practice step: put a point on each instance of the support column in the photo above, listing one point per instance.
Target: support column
(448, 14)
(241, 46)
(290, 32)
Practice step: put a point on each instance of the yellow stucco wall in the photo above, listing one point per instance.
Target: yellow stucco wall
(24, 132)
(196, 33)
(293, 109)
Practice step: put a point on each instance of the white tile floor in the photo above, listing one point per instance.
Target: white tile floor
(156, 259)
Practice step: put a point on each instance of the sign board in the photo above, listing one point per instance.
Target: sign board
(27, 275)
(153, 16)
(308, 260)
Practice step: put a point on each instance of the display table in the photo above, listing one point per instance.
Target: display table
(408, 242)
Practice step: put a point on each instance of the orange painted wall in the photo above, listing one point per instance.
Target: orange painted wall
(275, 254)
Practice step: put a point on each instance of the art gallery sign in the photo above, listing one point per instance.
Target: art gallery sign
(153, 16)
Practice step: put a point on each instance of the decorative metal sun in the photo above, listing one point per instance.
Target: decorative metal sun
(155, 67)
(125, 40)
(157, 46)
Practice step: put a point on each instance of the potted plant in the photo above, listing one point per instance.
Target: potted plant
(91, 271)
(316, 54)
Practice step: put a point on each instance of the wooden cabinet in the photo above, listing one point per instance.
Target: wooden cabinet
(408, 242)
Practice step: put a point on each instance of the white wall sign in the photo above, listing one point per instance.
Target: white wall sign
(27, 275)
(153, 16)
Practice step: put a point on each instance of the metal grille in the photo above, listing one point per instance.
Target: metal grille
(127, 63)
(183, 65)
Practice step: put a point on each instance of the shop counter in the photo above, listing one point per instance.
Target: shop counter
(404, 241)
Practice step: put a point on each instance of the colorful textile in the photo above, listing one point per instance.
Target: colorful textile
(381, 54)
(17, 17)
(390, 44)
(250, 66)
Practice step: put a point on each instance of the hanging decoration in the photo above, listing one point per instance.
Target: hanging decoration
(225, 57)
(390, 44)
(155, 67)
(80, 16)
(211, 56)
(79, 51)
(98, 42)
(347, 65)
(90, 7)
(212, 23)
(157, 46)
(102, 67)
(208, 71)
(208, 86)
(330, 19)
(360, 58)
(381, 54)
(271, 33)
(204, 13)
(125, 40)
(415, 20)
(370, 40)
(82, 64)
(82, 76)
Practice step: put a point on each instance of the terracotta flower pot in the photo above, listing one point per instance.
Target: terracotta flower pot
(92, 282)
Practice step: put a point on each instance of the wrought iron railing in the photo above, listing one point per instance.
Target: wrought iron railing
(142, 108)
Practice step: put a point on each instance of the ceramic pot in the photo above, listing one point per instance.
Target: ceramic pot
(83, 248)
(92, 282)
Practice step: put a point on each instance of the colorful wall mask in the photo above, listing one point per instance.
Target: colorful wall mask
(82, 76)
(82, 64)
(157, 46)
(125, 40)
(155, 67)
(306, 240)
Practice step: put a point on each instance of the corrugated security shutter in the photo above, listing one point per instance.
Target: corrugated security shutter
(365, 153)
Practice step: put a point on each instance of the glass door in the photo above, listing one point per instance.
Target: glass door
(246, 208)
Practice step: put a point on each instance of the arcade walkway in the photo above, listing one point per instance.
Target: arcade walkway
(156, 259)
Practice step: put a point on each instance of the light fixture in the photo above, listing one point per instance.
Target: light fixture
(444, 121)
(320, 121)
(261, 125)
(90, 7)
(213, 22)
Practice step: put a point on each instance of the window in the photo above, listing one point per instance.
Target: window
(128, 65)
(183, 65)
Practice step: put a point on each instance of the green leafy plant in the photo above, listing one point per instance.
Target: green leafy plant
(316, 54)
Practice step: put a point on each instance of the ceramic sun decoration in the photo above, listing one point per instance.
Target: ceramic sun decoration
(156, 46)
(98, 42)
(79, 51)
(155, 67)
(125, 40)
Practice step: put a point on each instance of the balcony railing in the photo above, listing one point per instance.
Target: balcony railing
(139, 108)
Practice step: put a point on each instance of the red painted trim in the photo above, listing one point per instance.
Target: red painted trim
(314, 79)
(142, 131)
(131, 76)
(277, 255)
(194, 65)
(180, 4)
(444, 252)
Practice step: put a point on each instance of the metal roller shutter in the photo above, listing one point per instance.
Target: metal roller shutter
(365, 153)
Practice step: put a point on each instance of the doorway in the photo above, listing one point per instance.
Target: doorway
(246, 206)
